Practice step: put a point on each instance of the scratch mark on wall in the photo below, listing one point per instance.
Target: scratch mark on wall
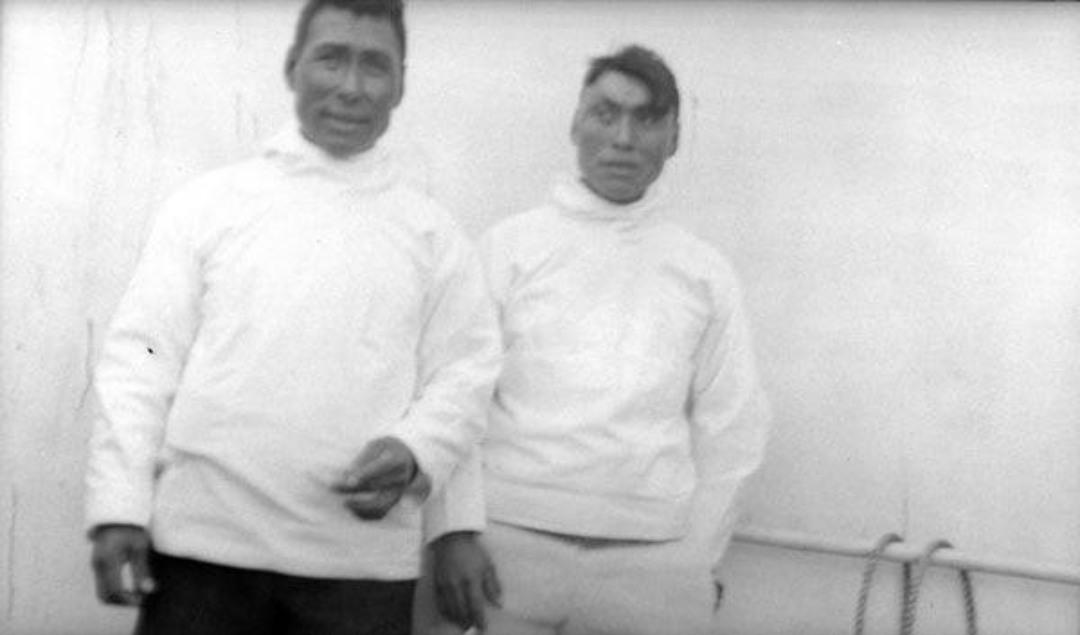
(905, 495)
(695, 109)
(116, 83)
(238, 115)
(150, 59)
(76, 89)
(241, 115)
(88, 365)
(11, 555)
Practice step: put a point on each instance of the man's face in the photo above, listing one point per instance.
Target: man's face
(622, 144)
(347, 79)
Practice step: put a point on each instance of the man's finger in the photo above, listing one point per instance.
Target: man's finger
(367, 497)
(475, 601)
(461, 600)
(450, 603)
(372, 505)
(359, 470)
(492, 586)
(443, 605)
(109, 580)
(113, 591)
(380, 465)
(140, 573)
(457, 612)
(108, 563)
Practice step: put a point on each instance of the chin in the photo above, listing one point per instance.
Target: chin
(623, 195)
(346, 150)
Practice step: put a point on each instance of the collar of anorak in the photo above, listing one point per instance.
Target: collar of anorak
(370, 170)
(575, 199)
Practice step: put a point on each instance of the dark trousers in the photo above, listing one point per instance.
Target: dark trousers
(199, 598)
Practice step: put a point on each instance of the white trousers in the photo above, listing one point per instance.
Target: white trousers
(562, 585)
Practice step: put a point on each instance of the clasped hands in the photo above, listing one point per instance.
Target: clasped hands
(377, 478)
(464, 575)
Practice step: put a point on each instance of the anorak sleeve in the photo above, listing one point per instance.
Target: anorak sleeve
(459, 360)
(729, 415)
(139, 369)
(460, 505)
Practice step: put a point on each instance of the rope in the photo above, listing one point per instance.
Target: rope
(911, 593)
(913, 582)
(905, 591)
(969, 602)
(872, 559)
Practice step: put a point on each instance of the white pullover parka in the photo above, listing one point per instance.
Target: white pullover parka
(629, 405)
(286, 311)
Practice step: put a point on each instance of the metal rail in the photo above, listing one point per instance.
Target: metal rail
(906, 552)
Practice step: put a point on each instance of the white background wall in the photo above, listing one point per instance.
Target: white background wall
(898, 184)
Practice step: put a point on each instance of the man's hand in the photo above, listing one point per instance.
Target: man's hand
(117, 547)
(377, 479)
(464, 577)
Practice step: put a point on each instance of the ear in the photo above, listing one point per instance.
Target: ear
(291, 58)
(673, 142)
(575, 127)
(400, 87)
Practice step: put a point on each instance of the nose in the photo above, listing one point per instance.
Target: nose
(352, 83)
(624, 132)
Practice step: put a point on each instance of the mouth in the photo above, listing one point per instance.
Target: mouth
(347, 122)
(620, 167)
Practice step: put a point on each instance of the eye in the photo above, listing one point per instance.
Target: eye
(648, 117)
(329, 59)
(377, 64)
(375, 68)
(604, 114)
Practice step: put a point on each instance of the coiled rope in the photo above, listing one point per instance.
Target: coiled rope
(913, 576)
(872, 560)
(911, 598)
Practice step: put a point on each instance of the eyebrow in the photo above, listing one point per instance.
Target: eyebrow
(328, 47)
(377, 56)
(366, 54)
(650, 109)
(608, 102)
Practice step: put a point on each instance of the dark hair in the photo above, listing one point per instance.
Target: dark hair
(392, 10)
(648, 68)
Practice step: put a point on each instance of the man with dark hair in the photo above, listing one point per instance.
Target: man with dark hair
(628, 414)
(392, 10)
(303, 356)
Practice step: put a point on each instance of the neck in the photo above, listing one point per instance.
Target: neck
(629, 201)
(331, 153)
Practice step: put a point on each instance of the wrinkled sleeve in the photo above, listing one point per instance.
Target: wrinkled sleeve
(139, 368)
(459, 358)
(730, 418)
(460, 504)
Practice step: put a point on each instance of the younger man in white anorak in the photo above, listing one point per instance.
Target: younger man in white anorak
(628, 414)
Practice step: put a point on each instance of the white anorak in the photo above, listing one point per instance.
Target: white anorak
(629, 406)
(286, 311)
